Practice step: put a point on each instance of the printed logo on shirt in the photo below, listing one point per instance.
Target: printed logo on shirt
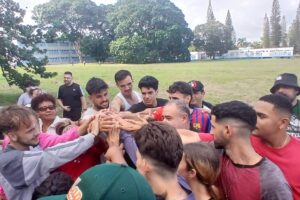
(197, 126)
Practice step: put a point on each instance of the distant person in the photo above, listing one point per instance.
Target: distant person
(244, 173)
(200, 166)
(149, 89)
(109, 182)
(198, 96)
(287, 85)
(98, 95)
(25, 98)
(126, 97)
(34, 92)
(271, 140)
(70, 98)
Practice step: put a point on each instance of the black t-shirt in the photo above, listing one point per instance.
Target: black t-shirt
(139, 107)
(70, 95)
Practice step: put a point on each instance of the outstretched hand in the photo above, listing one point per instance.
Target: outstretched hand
(113, 137)
(114, 154)
(94, 125)
(132, 125)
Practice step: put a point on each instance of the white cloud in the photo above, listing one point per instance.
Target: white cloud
(247, 15)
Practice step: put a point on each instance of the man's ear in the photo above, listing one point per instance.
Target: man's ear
(12, 136)
(188, 98)
(228, 130)
(284, 122)
(192, 173)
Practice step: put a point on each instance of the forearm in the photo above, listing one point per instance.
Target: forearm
(115, 105)
(37, 163)
(60, 103)
(83, 103)
(49, 140)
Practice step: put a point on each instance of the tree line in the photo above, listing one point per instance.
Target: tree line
(130, 31)
(275, 33)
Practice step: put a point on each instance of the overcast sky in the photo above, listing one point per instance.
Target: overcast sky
(247, 15)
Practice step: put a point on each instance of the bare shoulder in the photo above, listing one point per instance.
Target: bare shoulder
(188, 136)
(116, 104)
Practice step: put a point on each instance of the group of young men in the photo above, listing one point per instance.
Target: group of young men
(258, 145)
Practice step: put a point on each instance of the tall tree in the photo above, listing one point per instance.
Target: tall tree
(72, 20)
(242, 43)
(266, 32)
(275, 35)
(294, 32)
(284, 33)
(158, 24)
(210, 13)
(210, 37)
(229, 32)
(18, 47)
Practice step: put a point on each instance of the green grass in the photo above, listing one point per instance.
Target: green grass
(225, 80)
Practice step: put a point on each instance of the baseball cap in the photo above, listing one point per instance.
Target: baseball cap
(109, 182)
(197, 86)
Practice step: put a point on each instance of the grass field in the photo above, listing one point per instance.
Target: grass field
(244, 80)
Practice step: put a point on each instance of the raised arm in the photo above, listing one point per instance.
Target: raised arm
(116, 104)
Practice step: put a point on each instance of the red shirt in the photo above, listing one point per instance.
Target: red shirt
(85, 161)
(286, 158)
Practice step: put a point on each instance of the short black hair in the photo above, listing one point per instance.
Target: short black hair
(280, 102)
(95, 85)
(69, 73)
(181, 87)
(162, 144)
(235, 110)
(35, 102)
(148, 82)
(121, 75)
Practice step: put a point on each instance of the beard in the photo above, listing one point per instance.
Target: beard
(291, 99)
(218, 145)
(99, 107)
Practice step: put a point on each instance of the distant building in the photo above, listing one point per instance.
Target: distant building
(246, 53)
(61, 53)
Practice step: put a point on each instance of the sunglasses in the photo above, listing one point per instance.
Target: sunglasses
(43, 109)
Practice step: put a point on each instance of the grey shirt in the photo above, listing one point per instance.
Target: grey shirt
(22, 171)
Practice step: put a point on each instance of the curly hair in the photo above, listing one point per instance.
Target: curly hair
(35, 102)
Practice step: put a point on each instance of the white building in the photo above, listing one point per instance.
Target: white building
(60, 53)
(246, 53)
